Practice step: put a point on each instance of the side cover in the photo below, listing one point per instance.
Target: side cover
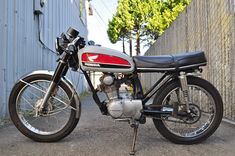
(95, 58)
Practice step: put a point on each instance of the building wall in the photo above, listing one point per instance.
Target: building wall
(27, 39)
(208, 26)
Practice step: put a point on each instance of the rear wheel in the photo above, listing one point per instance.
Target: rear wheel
(59, 117)
(206, 108)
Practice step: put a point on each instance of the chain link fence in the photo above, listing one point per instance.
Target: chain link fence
(205, 26)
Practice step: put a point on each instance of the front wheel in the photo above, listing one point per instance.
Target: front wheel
(205, 105)
(59, 117)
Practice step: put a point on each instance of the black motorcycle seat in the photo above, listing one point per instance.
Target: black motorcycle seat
(170, 62)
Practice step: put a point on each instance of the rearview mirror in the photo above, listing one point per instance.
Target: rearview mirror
(91, 43)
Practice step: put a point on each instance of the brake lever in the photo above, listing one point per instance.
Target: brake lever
(81, 43)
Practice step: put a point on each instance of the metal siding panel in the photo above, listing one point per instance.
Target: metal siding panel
(10, 51)
(21, 49)
(3, 28)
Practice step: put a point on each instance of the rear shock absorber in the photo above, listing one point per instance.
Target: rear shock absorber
(184, 87)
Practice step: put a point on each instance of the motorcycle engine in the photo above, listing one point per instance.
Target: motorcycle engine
(119, 91)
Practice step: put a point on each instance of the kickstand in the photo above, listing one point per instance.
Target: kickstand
(135, 126)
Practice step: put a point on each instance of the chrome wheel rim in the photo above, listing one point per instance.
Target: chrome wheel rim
(197, 96)
(53, 119)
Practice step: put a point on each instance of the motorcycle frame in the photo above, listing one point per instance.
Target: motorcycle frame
(63, 66)
(144, 97)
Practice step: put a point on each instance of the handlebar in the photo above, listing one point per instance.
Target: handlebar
(69, 41)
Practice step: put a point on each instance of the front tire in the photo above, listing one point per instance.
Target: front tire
(204, 97)
(56, 122)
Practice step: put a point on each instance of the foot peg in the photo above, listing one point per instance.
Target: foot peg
(135, 127)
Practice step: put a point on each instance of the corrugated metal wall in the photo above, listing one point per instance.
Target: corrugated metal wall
(208, 26)
(20, 29)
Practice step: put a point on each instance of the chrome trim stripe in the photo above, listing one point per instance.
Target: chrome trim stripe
(156, 69)
(170, 69)
(193, 65)
(118, 64)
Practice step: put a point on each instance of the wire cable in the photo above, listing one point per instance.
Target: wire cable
(99, 16)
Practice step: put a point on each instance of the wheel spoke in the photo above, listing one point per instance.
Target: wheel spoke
(27, 102)
(54, 117)
(200, 99)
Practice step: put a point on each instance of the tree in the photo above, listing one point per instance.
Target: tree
(121, 24)
(163, 13)
(144, 19)
(139, 10)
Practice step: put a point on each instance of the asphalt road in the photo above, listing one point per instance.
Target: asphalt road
(97, 135)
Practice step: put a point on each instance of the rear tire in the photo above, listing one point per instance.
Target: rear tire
(21, 123)
(163, 128)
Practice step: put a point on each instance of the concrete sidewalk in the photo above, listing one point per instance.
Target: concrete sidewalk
(97, 135)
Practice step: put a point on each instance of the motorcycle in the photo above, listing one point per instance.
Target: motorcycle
(186, 109)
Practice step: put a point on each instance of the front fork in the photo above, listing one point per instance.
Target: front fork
(60, 71)
(184, 87)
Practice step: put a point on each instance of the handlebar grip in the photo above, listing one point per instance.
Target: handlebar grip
(80, 43)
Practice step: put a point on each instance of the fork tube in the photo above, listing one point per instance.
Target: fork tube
(59, 72)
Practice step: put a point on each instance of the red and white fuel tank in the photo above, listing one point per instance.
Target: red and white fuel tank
(95, 58)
